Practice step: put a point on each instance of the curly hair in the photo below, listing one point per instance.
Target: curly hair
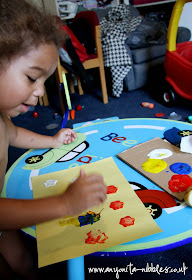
(23, 26)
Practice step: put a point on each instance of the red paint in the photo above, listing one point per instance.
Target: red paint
(96, 237)
(111, 189)
(127, 221)
(115, 205)
(179, 183)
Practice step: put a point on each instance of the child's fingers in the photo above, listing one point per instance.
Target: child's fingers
(99, 190)
(73, 133)
(102, 196)
(69, 136)
(82, 173)
(98, 197)
(98, 179)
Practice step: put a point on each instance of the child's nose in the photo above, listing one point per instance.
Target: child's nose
(39, 92)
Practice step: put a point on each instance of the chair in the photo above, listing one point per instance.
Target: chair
(94, 60)
(43, 101)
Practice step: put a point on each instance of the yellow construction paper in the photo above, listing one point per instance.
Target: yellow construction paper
(62, 239)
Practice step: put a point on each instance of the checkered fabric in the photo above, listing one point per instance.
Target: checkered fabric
(118, 74)
(114, 29)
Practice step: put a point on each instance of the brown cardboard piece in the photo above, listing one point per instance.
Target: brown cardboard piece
(137, 155)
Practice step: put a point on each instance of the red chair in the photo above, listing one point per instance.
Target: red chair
(94, 60)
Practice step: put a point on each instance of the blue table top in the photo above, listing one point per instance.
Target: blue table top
(99, 143)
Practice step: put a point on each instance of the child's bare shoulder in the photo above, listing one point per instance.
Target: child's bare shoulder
(3, 128)
(4, 137)
(3, 150)
(2, 123)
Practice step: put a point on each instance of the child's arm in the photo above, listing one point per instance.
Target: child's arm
(85, 192)
(22, 138)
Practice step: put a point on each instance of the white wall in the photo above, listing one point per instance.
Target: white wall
(186, 18)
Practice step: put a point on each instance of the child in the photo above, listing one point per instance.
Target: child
(29, 43)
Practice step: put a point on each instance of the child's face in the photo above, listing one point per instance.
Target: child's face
(23, 81)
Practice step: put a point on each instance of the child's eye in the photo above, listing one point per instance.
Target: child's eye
(31, 79)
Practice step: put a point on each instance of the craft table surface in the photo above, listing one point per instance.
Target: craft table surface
(175, 222)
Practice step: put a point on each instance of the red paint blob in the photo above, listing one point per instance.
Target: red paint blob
(111, 189)
(115, 205)
(179, 183)
(97, 237)
(127, 221)
(35, 114)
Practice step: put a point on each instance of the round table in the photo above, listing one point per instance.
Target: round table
(104, 139)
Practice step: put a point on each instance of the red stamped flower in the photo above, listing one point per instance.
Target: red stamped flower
(127, 221)
(111, 189)
(115, 205)
(96, 237)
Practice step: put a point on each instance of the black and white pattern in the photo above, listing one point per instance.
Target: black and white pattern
(114, 29)
(118, 74)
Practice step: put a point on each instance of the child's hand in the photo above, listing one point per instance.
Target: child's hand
(85, 192)
(64, 136)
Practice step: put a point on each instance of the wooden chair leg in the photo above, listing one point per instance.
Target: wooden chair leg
(101, 65)
(45, 99)
(71, 86)
(79, 87)
(103, 84)
(40, 101)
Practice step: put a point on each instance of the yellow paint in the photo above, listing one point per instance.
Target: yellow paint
(71, 221)
(154, 165)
